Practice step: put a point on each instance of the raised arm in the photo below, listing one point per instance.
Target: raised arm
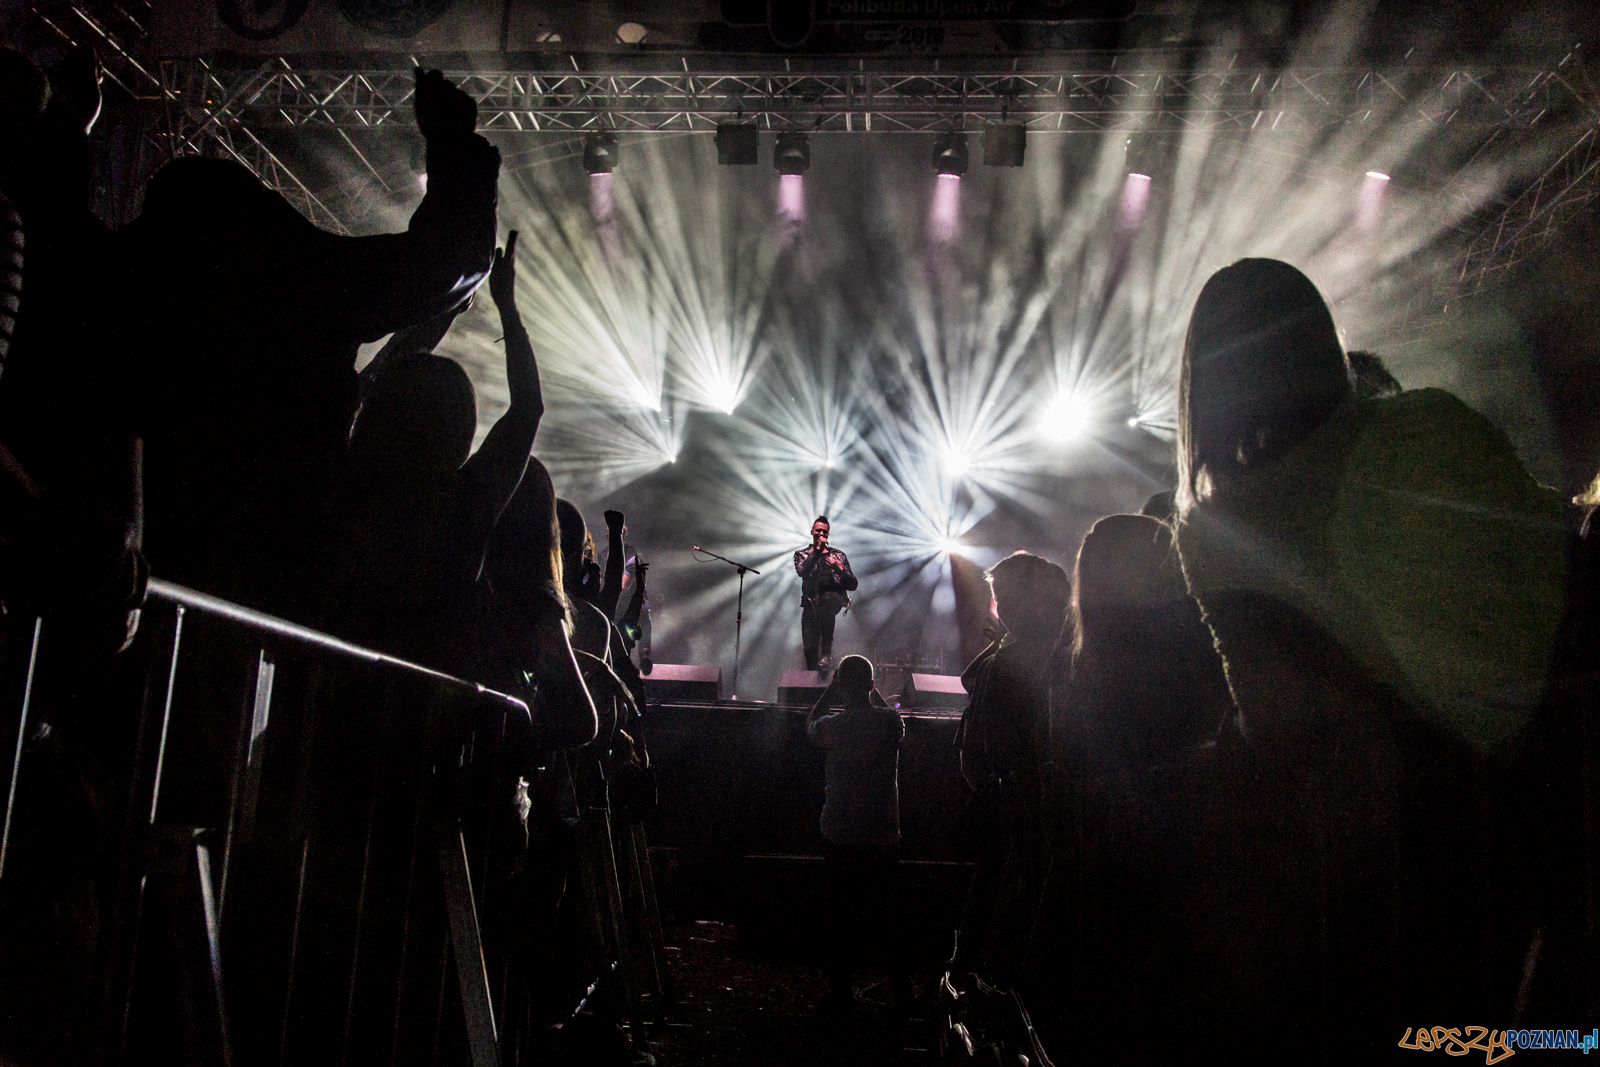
(388, 281)
(498, 464)
(636, 605)
(611, 589)
(815, 725)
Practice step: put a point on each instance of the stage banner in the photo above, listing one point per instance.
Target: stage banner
(186, 28)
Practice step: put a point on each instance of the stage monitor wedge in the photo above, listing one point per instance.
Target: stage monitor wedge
(682, 683)
(797, 688)
(930, 692)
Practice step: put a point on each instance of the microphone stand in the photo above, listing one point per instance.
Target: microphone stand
(738, 618)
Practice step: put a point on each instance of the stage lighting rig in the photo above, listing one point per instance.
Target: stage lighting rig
(600, 152)
(1004, 144)
(792, 154)
(736, 144)
(950, 154)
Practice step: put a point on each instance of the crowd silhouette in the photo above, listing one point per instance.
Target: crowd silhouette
(1299, 754)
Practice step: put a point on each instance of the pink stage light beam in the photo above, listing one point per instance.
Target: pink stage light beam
(1369, 202)
(1135, 198)
(792, 198)
(602, 203)
(944, 218)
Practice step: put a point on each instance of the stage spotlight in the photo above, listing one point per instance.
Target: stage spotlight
(736, 144)
(723, 395)
(957, 464)
(600, 152)
(1133, 422)
(950, 546)
(950, 154)
(1377, 175)
(1003, 144)
(1146, 154)
(792, 154)
(1065, 418)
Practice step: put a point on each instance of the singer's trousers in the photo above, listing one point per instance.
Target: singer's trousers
(816, 626)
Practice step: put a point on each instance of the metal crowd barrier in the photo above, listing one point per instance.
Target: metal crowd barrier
(306, 830)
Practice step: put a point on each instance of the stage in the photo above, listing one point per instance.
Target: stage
(735, 836)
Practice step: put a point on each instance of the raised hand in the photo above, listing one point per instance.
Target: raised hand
(503, 275)
(613, 519)
(443, 110)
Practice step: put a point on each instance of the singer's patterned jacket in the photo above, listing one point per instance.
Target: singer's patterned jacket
(829, 574)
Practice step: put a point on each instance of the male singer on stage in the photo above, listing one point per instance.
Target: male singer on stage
(825, 584)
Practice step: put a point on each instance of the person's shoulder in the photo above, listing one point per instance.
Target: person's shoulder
(823, 725)
(1432, 436)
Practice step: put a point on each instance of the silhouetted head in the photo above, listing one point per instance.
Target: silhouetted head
(44, 119)
(574, 536)
(854, 677)
(1030, 596)
(525, 548)
(24, 94)
(1162, 506)
(1372, 378)
(420, 416)
(1262, 369)
(1126, 563)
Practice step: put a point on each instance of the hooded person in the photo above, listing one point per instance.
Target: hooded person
(247, 320)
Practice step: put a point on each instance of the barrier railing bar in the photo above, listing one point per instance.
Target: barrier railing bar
(192, 598)
(22, 736)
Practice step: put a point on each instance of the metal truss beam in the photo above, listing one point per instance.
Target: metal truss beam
(189, 126)
(222, 111)
(1565, 188)
(1082, 101)
(198, 127)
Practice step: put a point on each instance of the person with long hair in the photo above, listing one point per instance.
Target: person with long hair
(1146, 681)
(860, 824)
(525, 640)
(1384, 583)
(1115, 953)
(1003, 744)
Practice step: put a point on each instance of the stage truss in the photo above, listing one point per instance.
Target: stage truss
(211, 108)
